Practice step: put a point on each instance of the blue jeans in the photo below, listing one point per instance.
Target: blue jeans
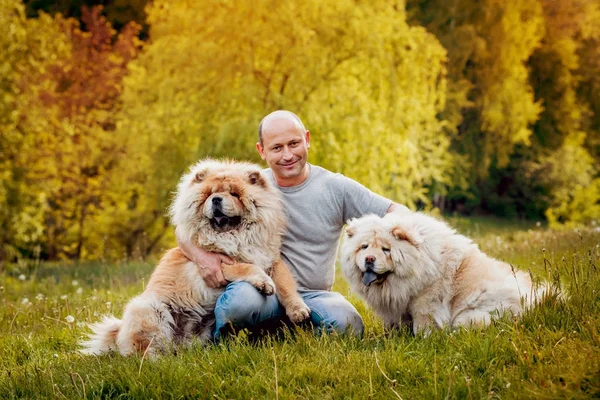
(242, 306)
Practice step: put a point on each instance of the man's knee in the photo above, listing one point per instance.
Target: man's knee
(342, 321)
(238, 305)
(351, 323)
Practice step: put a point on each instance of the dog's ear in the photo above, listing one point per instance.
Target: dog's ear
(350, 230)
(411, 237)
(256, 178)
(200, 176)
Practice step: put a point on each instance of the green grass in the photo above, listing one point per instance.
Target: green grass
(551, 352)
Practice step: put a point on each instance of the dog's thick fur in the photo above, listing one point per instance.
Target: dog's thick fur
(225, 207)
(413, 267)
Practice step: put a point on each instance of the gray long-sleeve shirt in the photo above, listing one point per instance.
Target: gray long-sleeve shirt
(317, 210)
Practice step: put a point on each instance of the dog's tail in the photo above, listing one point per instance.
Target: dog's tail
(104, 336)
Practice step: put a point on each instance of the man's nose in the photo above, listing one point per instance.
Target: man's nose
(287, 154)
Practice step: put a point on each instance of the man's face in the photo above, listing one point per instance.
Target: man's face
(285, 149)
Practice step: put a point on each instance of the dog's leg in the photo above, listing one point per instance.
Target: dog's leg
(287, 293)
(147, 326)
(251, 274)
(472, 317)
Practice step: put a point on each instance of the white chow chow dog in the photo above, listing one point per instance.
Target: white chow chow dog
(225, 207)
(411, 266)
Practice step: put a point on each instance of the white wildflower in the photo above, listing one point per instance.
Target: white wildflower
(39, 297)
(25, 301)
(79, 290)
(70, 319)
(63, 297)
(81, 324)
(22, 277)
(538, 224)
(108, 304)
(55, 355)
(74, 283)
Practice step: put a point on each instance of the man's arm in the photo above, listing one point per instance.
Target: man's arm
(359, 200)
(209, 264)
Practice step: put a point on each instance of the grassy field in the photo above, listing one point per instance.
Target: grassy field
(553, 351)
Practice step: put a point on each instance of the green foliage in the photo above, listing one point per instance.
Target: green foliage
(523, 100)
(489, 43)
(551, 352)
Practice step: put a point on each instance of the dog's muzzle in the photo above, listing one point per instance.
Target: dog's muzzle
(370, 276)
(220, 220)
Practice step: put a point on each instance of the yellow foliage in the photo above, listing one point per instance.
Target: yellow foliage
(367, 85)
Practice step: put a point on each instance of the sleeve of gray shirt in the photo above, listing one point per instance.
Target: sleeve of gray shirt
(359, 201)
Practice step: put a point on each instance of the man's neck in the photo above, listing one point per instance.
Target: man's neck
(298, 180)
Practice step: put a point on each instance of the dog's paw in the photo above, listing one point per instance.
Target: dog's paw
(264, 285)
(422, 330)
(298, 311)
(423, 325)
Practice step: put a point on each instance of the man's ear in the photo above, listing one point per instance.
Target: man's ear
(261, 150)
(307, 138)
(413, 237)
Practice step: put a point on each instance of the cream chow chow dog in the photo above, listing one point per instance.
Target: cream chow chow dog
(225, 207)
(415, 267)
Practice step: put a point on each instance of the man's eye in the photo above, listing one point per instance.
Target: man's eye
(364, 246)
(276, 148)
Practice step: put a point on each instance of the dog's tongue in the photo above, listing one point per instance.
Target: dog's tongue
(369, 277)
(222, 220)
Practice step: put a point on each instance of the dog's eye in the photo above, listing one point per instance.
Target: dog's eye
(364, 246)
(385, 250)
(237, 196)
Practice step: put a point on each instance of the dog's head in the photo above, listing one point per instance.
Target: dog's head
(221, 196)
(375, 248)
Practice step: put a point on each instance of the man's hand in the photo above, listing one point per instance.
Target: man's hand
(209, 264)
(398, 208)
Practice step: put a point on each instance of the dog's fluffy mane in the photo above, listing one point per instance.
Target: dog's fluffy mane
(258, 239)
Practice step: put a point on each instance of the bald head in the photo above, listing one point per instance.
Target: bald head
(281, 116)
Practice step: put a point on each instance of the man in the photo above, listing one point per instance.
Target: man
(318, 203)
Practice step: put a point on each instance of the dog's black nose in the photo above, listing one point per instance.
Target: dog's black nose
(217, 200)
(370, 259)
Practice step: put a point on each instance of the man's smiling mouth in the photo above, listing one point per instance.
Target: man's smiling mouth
(289, 164)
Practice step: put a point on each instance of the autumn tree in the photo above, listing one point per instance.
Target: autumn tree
(84, 99)
(65, 126)
(28, 47)
(516, 101)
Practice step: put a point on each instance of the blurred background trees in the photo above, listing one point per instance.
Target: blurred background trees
(471, 106)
